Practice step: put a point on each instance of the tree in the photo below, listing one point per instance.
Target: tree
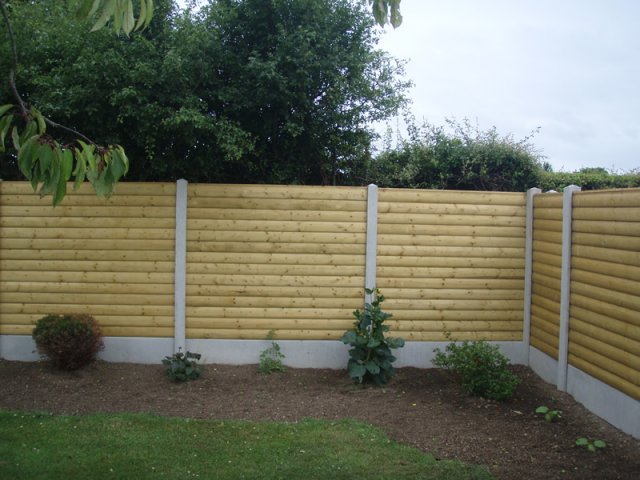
(244, 91)
(461, 157)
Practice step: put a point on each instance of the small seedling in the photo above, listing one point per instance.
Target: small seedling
(551, 416)
(182, 367)
(271, 358)
(591, 445)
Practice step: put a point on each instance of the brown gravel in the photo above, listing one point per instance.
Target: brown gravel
(423, 408)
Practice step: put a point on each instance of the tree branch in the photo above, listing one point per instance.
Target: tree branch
(14, 59)
(53, 124)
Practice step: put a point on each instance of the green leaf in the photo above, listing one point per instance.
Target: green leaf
(46, 156)
(542, 409)
(582, 441)
(142, 14)
(373, 343)
(599, 443)
(349, 337)
(107, 12)
(591, 447)
(42, 126)
(15, 138)
(66, 165)
(128, 19)
(357, 370)
(26, 156)
(372, 367)
(5, 108)
(5, 125)
(80, 170)
(149, 16)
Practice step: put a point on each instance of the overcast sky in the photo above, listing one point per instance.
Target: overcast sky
(570, 67)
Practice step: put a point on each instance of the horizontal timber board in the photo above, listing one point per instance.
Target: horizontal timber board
(450, 209)
(545, 323)
(451, 196)
(123, 188)
(551, 271)
(103, 320)
(253, 334)
(625, 272)
(611, 255)
(45, 244)
(622, 349)
(90, 255)
(275, 237)
(275, 280)
(546, 258)
(544, 336)
(449, 251)
(543, 213)
(604, 308)
(114, 234)
(84, 212)
(546, 303)
(359, 205)
(293, 192)
(199, 228)
(605, 281)
(447, 219)
(449, 241)
(268, 324)
(243, 258)
(88, 277)
(274, 247)
(85, 223)
(547, 200)
(293, 292)
(72, 200)
(547, 247)
(274, 215)
(244, 312)
(541, 224)
(458, 315)
(97, 288)
(95, 310)
(620, 242)
(451, 230)
(628, 197)
(547, 281)
(488, 327)
(608, 214)
(448, 272)
(451, 261)
(544, 347)
(86, 298)
(276, 302)
(457, 294)
(631, 229)
(419, 304)
(545, 292)
(604, 323)
(265, 269)
(450, 283)
(626, 300)
(86, 266)
(546, 236)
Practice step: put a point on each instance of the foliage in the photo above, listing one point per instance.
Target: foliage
(70, 341)
(482, 368)
(386, 11)
(271, 358)
(370, 356)
(591, 445)
(589, 179)
(240, 91)
(460, 157)
(49, 163)
(144, 446)
(551, 416)
(182, 367)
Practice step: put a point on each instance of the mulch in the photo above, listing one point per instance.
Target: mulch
(422, 408)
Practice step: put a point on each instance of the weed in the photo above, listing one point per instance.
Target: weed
(551, 416)
(182, 367)
(271, 358)
(591, 445)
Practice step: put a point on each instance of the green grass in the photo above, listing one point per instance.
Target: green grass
(40, 446)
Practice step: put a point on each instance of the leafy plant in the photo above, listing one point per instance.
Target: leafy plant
(370, 356)
(70, 341)
(182, 367)
(271, 358)
(551, 416)
(591, 445)
(481, 367)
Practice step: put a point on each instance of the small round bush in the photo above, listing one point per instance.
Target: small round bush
(482, 369)
(70, 341)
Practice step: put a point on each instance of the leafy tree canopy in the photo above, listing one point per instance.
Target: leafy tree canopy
(277, 91)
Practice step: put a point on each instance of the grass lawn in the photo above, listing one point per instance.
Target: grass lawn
(41, 446)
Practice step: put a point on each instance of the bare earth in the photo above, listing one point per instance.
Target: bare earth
(422, 408)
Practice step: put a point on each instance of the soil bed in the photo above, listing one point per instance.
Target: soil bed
(423, 408)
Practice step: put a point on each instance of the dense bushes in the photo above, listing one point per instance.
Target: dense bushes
(588, 179)
(481, 368)
(69, 341)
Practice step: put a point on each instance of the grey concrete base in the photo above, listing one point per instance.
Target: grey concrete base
(543, 365)
(18, 347)
(615, 407)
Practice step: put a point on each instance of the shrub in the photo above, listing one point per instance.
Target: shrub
(371, 357)
(182, 367)
(482, 369)
(271, 358)
(70, 341)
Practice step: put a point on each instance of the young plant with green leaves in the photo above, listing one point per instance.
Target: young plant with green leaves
(271, 358)
(591, 445)
(550, 416)
(370, 356)
(182, 367)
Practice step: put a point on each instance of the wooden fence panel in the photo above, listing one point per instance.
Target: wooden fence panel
(264, 257)
(547, 260)
(452, 262)
(604, 335)
(112, 259)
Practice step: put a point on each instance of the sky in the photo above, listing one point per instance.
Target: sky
(568, 67)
